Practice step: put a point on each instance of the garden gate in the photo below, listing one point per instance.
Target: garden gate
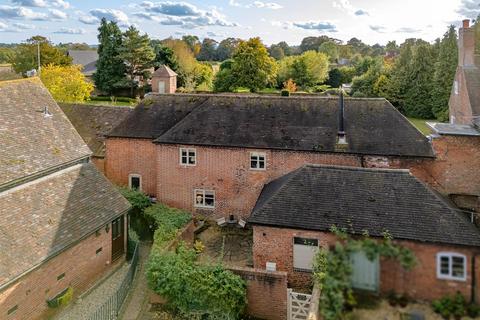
(298, 305)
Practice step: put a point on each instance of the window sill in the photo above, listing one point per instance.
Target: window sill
(447, 278)
(258, 169)
(203, 207)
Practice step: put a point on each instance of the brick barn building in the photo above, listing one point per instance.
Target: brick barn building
(294, 213)
(62, 223)
(212, 154)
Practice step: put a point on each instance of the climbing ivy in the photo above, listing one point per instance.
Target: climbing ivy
(332, 268)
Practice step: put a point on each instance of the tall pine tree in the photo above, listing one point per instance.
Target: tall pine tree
(137, 56)
(110, 74)
(444, 74)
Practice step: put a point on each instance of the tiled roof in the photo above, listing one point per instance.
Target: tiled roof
(155, 115)
(164, 72)
(377, 200)
(41, 218)
(372, 126)
(30, 142)
(86, 58)
(94, 122)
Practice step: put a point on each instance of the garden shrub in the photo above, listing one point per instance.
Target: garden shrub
(194, 289)
(62, 299)
(455, 307)
(138, 221)
(332, 268)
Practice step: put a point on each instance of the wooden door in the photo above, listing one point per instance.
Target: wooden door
(118, 238)
(365, 273)
(161, 86)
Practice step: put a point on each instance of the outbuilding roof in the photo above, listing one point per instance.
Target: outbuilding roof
(86, 58)
(41, 218)
(35, 135)
(316, 197)
(164, 72)
(94, 122)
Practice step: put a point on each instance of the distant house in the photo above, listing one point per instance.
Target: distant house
(62, 223)
(85, 58)
(295, 212)
(164, 80)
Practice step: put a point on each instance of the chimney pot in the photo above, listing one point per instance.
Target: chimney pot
(466, 23)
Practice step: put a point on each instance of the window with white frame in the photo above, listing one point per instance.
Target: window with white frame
(304, 250)
(188, 156)
(451, 266)
(455, 86)
(135, 181)
(204, 198)
(257, 160)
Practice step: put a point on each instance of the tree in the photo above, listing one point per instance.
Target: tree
(309, 69)
(136, 54)
(165, 56)
(313, 43)
(224, 79)
(66, 83)
(363, 85)
(193, 43)
(330, 49)
(252, 66)
(6, 55)
(26, 59)
(226, 48)
(277, 52)
(208, 50)
(110, 74)
(444, 74)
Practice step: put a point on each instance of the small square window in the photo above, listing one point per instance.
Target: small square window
(135, 181)
(451, 266)
(61, 276)
(188, 156)
(204, 198)
(98, 251)
(257, 161)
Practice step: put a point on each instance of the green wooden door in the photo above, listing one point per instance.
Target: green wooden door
(365, 273)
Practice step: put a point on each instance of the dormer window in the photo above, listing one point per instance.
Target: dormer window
(188, 156)
(258, 160)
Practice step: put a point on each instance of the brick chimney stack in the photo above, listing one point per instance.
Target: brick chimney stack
(466, 45)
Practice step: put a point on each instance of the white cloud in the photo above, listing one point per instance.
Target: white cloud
(316, 25)
(469, 9)
(57, 14)
(31, 3)
(256, 4)
(9, 12)
(71, 31)
(60, 4)
(377, 28)
(346, 6)
(115, 15)
(23, 26)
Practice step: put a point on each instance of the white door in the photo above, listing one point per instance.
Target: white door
(161, 86)
(365, 273)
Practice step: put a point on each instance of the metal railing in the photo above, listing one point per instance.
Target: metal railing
(109, 310)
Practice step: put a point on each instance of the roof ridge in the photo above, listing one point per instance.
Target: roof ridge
(292, 174)
(30, 79)
(352, 168)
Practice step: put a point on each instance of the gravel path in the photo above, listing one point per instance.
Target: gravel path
(81, 308)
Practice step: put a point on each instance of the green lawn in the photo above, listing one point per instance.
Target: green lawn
(421, 125)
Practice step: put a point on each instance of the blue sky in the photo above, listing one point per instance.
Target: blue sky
(373, 21)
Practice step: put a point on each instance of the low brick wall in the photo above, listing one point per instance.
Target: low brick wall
(266, 292)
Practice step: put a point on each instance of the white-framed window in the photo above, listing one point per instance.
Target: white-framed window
(188, 156)
(135, 181)
(258, 160)
(304, 250)
(451, 266)
(204, 198)
(455, 86)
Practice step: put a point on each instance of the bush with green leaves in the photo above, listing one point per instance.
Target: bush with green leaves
(198, 290)
(455, 306)
(139, 222)
(332, 268)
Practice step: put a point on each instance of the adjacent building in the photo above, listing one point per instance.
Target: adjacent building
(212, 154)
(62, 223)
(85, 58)
(294, 215)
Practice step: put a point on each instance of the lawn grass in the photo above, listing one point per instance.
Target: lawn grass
(421, 125)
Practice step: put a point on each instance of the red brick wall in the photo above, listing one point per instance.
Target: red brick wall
(276, 245)
(227, 172)
(459, 104)
(170, 84)
(99, 163)
(456, 168)
(131, 156)
(266, 293)
(81, 265)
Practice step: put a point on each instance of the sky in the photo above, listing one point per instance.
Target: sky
(372, 21)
